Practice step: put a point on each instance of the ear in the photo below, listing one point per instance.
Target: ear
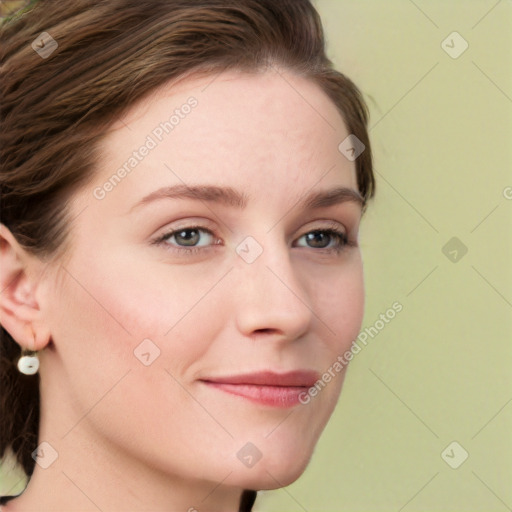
(20, 314)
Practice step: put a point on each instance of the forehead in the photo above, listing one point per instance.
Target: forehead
(249, 131)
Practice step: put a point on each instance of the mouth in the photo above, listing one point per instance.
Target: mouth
(266, 388)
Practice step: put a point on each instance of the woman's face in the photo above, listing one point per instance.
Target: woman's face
(140, 321)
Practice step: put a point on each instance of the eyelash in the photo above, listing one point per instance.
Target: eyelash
(343, 240)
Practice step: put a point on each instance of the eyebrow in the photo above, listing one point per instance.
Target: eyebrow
(229, 196)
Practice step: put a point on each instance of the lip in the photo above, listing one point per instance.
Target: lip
(266, 387)
(299, 378)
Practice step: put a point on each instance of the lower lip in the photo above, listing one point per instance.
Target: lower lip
(275, 396)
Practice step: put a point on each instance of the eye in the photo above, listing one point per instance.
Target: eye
(327, 239)
(193, 239)
(188, 239)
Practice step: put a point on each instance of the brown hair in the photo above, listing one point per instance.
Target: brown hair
(111, 54)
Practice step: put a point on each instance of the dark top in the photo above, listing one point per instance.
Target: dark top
(5, 499)
(246, 502)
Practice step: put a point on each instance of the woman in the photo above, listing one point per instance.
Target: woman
(182, 185)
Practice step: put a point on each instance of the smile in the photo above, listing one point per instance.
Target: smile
(267, 388)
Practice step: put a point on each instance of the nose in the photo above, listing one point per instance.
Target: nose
(271, 297)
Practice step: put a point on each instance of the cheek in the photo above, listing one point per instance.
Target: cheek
(111, 306)
(109, 320)
(338, 299)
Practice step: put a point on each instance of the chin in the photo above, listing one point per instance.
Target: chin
(272, 473)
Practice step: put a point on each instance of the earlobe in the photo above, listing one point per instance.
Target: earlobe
(20, 314)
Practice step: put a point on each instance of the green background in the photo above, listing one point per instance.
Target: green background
(439, 372)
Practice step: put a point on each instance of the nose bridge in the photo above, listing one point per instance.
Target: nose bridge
(270, 295)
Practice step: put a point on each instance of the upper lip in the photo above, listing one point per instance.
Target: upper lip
(302, 378)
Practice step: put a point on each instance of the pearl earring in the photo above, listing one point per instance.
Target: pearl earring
(28, 363)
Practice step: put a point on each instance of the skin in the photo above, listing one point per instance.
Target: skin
(136, 437)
